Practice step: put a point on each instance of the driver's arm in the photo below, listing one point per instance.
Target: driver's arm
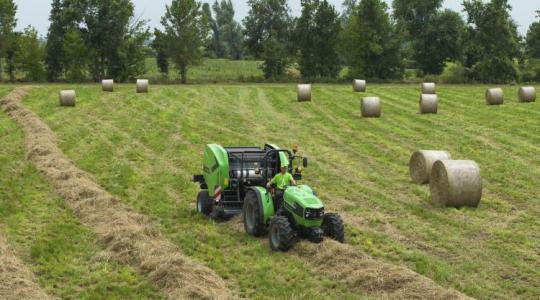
(269, 184)
(293, 182)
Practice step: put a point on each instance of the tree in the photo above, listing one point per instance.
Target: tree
(317, 34)
(29, 55)
(216, 43)
(76, 56)
(159, 47)
(533, 39)
(370, 43)
(231, 31)
(186, 29)
(268, 35)
(8, 9)
(492, 41)
(266, 19)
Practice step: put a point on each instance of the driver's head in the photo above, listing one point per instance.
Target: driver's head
(283, 169)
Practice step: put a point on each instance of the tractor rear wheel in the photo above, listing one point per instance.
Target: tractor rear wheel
(253, 215)
(281, 234)
(204, 203)
(333, 227)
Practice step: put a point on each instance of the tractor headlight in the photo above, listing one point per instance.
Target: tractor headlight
(312, 213)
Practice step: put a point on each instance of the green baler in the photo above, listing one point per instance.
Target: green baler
(234, 181)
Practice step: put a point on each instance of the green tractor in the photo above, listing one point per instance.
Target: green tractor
(234, 181)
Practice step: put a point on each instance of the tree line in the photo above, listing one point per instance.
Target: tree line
(96, 39)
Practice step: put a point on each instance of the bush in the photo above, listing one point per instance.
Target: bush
(453, 73)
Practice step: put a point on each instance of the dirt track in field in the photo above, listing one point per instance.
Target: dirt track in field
(348, 265)
(16, 280)
(129, 238)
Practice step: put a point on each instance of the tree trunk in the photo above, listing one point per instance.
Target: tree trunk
(1, 70)
(183, 73)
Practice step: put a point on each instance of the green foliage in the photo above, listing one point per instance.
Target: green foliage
(371, 44)
(453, 73)
(29, 57)
(533, 39)
(215, 43)
(317, 37)
(74, 64)
(492, 41)
(275, 58)
(186, 29)
(159, 46)
(8, 9)
(230, 30)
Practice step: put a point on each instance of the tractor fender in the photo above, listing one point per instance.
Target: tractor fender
(265, 202)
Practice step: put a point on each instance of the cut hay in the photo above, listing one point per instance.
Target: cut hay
(527, 94)
(359, 85)
(371, 107)
(107, 85)
(421, 163)
(429, 103)
(494, 96)
(67, 98)
(455, 183)
(142, 86)
(428, 88)
(16, 280)
(128, 237)
(304, 92)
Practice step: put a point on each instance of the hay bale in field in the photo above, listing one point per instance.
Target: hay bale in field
(429, 103)
(428, 88)
(527, 94)
(421, 163)
(371, 107)
(142, 86)
(494, 96)
(107, 85)
(67, 98)
(304, 92)
(455, 183)
(359, 85)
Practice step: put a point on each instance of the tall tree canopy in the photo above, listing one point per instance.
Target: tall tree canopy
(317, 37)
(8, 9)
(533, 39)
(371, 44)
(186, 30)
(229, 28)
(29, 56)
(492, 41)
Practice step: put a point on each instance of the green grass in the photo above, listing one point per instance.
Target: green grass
(209, 71)
(48, 236)
(145, 148)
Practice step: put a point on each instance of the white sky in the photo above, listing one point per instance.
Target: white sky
(36, 12)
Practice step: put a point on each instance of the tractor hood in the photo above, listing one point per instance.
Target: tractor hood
(302, 196)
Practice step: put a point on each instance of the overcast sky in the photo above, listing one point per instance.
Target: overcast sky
(36, 12)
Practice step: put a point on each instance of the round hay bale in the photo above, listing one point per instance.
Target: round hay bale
(107, 85)
(428, 88)
(359, 85)
(67, 98)
(527, 94)
(421, 163)
(429, 103)
(142, 86)
(494, 96)
(455, 183)
(304, 92)
(371, 107)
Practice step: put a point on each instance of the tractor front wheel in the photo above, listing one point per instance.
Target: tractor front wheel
(281, 234)
(253, 215)
(333, 227)
(204, 203)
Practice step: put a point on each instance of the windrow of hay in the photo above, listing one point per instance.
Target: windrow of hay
(370, 107)
(67, 98)
(494, 96)
(129, 237)
(304, 92)
(359, 85)
(527, 94)
(16, 280)
(107, 85)
(455, 183)
(428, 88)
(142, 86)
(429, 103)
(421, 163)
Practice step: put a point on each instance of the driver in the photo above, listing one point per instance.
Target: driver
(281, 180)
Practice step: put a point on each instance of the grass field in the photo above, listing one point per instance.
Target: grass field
(145, 148)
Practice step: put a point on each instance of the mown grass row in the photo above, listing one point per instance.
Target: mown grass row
(145, 148)
(48, 237)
